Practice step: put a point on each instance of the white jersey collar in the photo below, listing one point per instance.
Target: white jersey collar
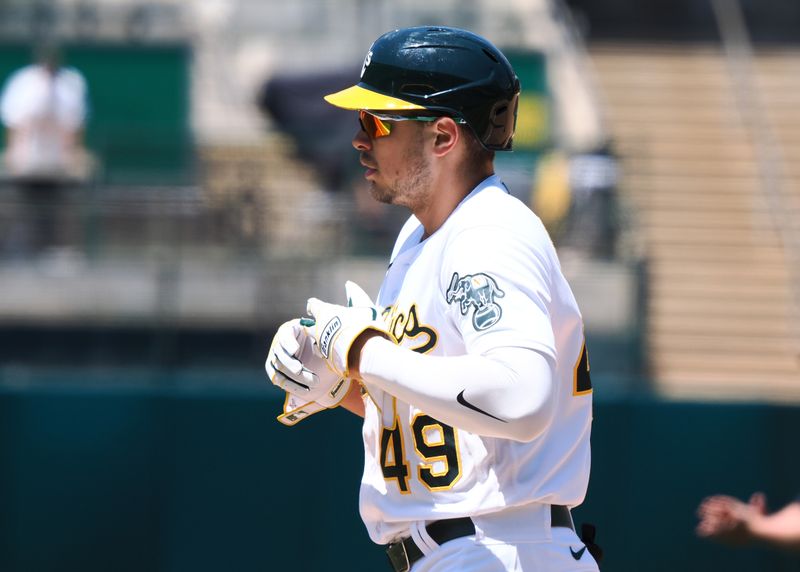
(490, 181)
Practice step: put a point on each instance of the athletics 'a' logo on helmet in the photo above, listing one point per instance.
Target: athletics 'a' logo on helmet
(367, 61)
(478, 290)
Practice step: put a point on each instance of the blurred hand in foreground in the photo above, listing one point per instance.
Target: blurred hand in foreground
(731, 521)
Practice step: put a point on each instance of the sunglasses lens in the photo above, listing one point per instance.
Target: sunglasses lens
(373, 126)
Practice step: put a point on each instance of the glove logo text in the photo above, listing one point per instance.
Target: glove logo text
(336, 388)
(327, 336)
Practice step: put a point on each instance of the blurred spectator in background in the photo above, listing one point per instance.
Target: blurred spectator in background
(551, 195)
(732, 521)
(575, 196)
(43, 108)
(592, 223)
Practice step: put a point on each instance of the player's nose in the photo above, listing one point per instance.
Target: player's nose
(361, 141)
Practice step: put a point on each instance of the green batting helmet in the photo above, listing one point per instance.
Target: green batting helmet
(445, 70)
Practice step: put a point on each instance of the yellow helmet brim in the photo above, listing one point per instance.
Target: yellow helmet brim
(357, 97)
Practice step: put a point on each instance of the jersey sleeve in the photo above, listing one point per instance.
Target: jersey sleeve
(497, 284)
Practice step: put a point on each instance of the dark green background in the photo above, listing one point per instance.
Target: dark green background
(175, 478)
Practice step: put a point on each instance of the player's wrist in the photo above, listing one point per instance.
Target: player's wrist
(354, 356)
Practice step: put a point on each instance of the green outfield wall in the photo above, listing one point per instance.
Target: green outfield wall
(111, 475)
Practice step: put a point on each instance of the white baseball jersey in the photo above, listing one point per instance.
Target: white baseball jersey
(488, 277)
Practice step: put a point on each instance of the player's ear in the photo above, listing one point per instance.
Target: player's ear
(446, 134)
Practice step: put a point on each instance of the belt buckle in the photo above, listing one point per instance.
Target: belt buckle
(398, 557)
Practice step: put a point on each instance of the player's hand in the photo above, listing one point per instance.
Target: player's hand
(293, 366)
(335, 328)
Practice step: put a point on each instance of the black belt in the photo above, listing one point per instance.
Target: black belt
(404, 553)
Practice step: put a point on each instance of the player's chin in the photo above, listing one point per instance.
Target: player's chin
(380, 193)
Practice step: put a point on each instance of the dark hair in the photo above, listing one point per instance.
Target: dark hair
(477, 154)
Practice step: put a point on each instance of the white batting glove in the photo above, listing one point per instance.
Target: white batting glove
(357, 297)
(335, 328)
(295, 410)
(293, 366)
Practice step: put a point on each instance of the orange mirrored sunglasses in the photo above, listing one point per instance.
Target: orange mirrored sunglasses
(380, 124)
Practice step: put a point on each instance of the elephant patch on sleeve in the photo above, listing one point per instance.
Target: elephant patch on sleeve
(478, 290)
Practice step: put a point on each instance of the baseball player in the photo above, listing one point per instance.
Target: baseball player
(470, 371)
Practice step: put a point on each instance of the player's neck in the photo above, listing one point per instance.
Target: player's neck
(448, 191)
